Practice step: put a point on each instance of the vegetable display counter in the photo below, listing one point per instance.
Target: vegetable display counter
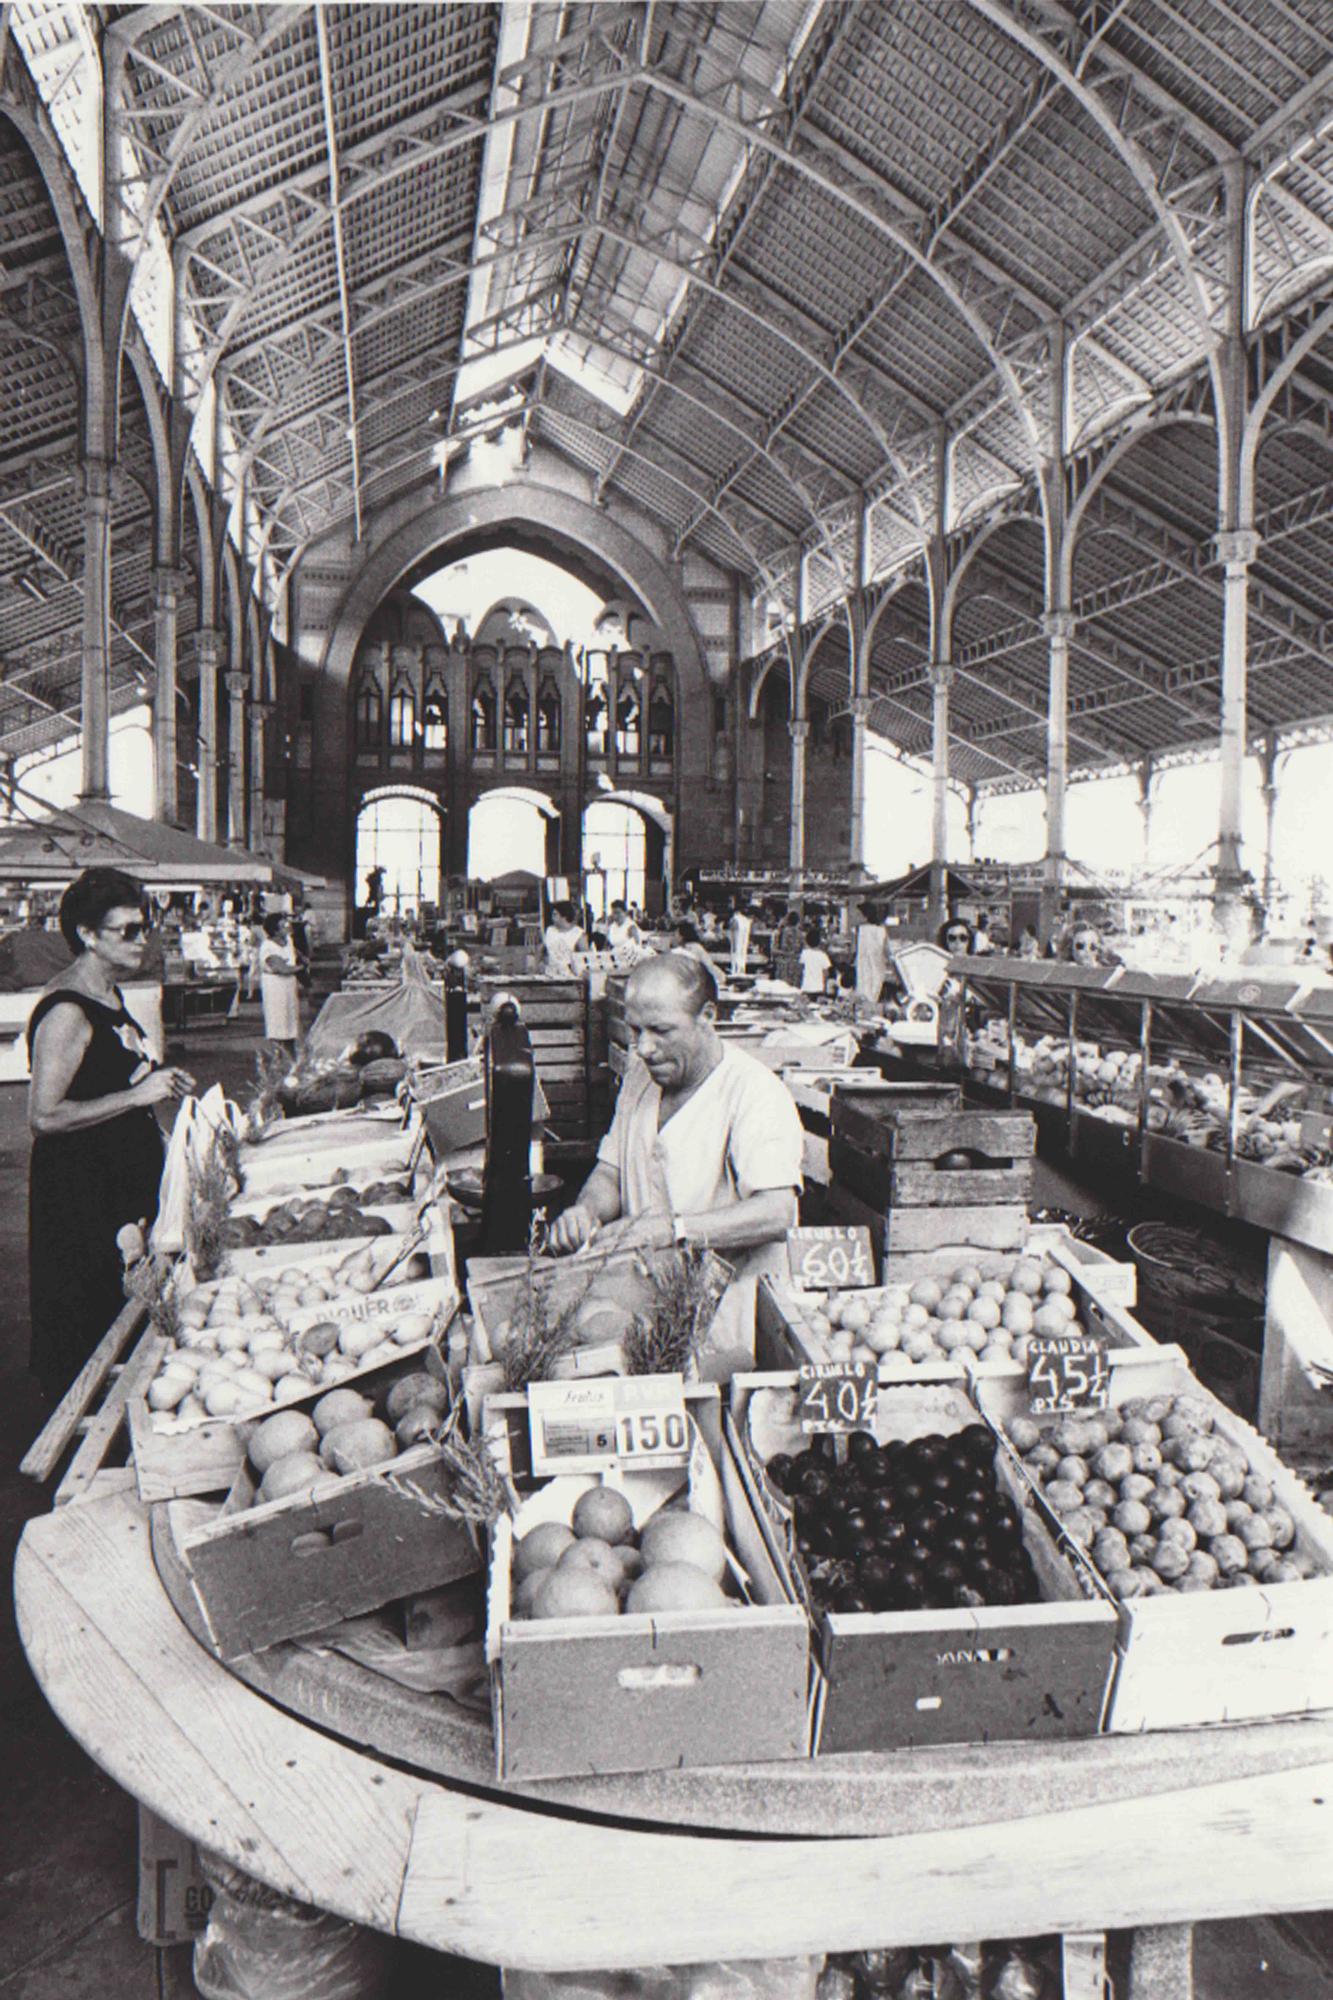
(410, 1833)
(1218, 1089)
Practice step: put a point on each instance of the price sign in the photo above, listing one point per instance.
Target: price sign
(837, 1396)
(826, 1260)
(584, 1426)
(1066, 1372)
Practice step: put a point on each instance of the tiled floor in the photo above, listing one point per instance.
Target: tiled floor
(68, 1837)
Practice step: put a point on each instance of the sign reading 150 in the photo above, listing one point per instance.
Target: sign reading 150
(645, 1433)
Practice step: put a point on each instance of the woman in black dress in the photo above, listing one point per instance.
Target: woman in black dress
(97, 1147)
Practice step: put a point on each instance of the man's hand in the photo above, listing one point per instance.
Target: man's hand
(571, 1230)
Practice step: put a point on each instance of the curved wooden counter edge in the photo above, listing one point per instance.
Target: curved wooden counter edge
(828, 1797)
(523, 1887)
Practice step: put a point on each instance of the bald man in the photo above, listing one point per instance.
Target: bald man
(705, 1146)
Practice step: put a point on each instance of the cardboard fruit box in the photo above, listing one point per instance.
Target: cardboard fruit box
(1235, 1655)
(353, 1543)
(647, 1692)
(174, 1459)
(904, 1679)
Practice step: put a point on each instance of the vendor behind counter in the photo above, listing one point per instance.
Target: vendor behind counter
(705, 1148)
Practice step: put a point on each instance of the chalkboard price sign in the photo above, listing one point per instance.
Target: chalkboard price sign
(837, 1396)
(1066, 1372)
(828, 1260)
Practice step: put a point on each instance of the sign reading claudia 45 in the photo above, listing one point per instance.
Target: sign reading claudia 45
(1066, 1372)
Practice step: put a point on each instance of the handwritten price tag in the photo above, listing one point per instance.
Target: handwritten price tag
(1066, 1372)
(582, 1426)
(826, 1260)
(837, 1396)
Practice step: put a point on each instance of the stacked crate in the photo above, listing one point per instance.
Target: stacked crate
(555, 1014)
(922, 1175)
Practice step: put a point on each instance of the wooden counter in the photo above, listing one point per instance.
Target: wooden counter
(836, 1854)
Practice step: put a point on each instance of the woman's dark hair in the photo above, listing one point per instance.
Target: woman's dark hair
(952, 924)
(565, 910)
(88, 902)
(274, 922)
(687, 932)
(813, 936)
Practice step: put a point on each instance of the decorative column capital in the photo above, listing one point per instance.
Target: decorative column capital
(261, 710)
(169, 586)
(859, 707)
(237, 682)
(799, 730)
(97, 480)
(1236, 549)
(940, 674)
(1059, 625)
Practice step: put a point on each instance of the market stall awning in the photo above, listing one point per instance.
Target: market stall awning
(916, 885)
(95, 834)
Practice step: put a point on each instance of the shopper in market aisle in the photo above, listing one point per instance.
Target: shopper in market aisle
(816, 965)
(705, 1148)
(561, 939)
(97, 1147)
(279, 989)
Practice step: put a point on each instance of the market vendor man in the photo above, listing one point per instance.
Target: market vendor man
(705, 1148)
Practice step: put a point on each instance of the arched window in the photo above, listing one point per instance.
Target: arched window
(595, 719)
(483, 716)
(369, 715)
(402, 718)
(516, 719)
(661, 723)
(549, 722)
(435, 724)
(627, 721)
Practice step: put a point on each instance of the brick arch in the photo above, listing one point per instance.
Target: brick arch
(535, 515)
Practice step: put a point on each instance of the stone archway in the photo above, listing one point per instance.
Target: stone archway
(533, 514)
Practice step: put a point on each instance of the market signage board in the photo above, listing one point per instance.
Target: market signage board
(835, 1397)
(1066, 1372)
(589, 1425)
(832, 1259)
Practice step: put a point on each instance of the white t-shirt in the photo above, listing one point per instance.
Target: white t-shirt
(815, 965)
(561, 947)
(280, 996)
(740, 1134)
(624, 932)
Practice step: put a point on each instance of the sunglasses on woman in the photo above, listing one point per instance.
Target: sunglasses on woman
(130, 933)
(955, 937)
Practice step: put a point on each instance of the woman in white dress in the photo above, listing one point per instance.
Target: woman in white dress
(278, 989)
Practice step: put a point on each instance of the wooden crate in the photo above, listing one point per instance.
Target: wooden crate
(924, 1134)
(863, 1114)
(908, 1679)
(173, 1463)
(293, 1566)
(1225, 1655)
(274, 1170)
(994, 1226)
(670, 1691)
(784, 1339)
(925, 1183)
(496, 1286)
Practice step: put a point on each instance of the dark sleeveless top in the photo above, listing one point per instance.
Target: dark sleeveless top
(83, 1187)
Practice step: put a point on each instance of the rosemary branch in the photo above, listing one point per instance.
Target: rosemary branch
(479, 1493)
(149, 1281)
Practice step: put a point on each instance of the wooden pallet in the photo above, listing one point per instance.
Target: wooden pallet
(93, 1412)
